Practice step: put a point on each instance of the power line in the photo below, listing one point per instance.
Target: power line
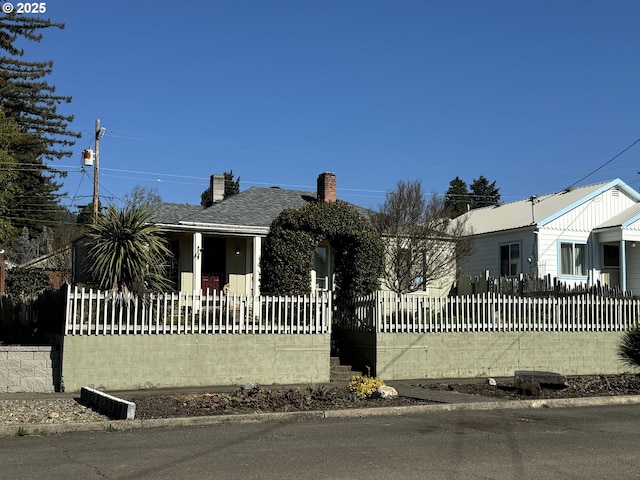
(604, 164)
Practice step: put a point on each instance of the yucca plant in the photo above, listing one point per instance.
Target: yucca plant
(126, 252)
(629, 348)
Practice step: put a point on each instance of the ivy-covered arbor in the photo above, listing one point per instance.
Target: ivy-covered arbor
(289, 250)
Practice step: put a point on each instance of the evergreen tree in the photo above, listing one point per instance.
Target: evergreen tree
(483, 193)
(457, 198)
(231, 186)
(85, 213)
(9, 134)
(28, 100)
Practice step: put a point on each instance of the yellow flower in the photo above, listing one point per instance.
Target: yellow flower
(363, 386)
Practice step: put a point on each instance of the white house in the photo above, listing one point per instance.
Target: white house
(582, 235)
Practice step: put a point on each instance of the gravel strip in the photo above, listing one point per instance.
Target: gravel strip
(46, 412)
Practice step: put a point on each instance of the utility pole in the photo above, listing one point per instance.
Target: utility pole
(96, 171)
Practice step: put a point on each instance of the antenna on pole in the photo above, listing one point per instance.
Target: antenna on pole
(533, 200)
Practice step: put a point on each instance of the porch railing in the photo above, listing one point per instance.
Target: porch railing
(386, 312)
(93, 312)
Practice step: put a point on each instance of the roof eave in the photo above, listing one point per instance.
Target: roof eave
(240, 230)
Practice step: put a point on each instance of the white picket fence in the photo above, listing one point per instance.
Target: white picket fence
(94, 312)
(386, 312)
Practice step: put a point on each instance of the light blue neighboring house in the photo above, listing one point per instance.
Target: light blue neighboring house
(582, 235)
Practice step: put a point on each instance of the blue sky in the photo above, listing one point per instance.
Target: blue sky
(533, 95)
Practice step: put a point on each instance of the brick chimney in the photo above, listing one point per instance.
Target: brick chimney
(327, 187)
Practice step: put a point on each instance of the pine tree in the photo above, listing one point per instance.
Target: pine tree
(28, 100)
(483, 193)
(457, 198)
(9, 133)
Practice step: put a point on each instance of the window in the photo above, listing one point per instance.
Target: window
(573, 259)
(611, 256)
(321, 267)
(510, 260)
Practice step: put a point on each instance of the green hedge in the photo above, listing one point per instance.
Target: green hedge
(289, 250)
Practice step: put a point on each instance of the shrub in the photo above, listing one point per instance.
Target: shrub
(290, 246)
(629, 348)
(28, 282)
(363, 386)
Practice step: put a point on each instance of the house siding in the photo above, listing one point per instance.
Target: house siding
(486, 255)
(592, 213)
(549, 253)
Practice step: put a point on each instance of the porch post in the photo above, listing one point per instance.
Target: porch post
(257, 251)
(197, 262)
(623, 266)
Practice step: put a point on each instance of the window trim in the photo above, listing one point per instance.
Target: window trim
(573, 243)
(519, 261)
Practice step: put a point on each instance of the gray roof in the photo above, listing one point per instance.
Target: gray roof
(173, 212)
(546, 208)
(255, 207)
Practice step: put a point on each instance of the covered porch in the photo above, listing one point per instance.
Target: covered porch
(618, 255)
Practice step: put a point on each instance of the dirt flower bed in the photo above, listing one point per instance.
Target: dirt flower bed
(585, 386)
(258, 400)
(325, 397)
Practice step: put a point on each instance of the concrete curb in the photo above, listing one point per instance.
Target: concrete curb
(120, 425)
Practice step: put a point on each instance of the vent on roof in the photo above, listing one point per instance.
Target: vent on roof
(615, 192)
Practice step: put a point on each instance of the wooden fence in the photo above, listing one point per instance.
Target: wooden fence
(92, 312)
(530, 285)
(386, 312)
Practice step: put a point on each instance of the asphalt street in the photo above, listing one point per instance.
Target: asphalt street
(547, 443)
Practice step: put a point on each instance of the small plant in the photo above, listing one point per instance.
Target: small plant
(111, 429)
(318, 390)
(363, 386)
(629, 348)
(21, 432)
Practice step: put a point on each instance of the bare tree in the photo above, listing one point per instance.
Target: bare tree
(140, 196)
(422, 243)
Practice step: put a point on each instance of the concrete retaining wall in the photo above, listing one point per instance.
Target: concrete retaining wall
(28, 368)
(122, 362)
(499, 354)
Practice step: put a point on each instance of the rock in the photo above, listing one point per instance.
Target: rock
(54, 415)
(249, 386)
(385, 391)
(492, 382)
(551, 379)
